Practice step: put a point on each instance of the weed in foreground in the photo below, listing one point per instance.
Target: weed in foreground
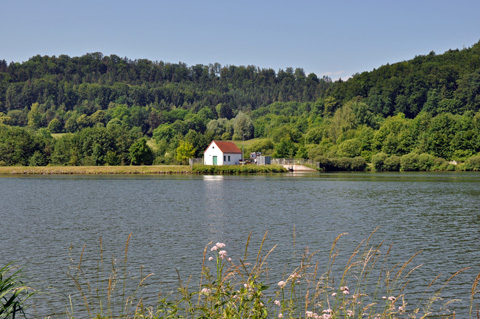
(367, 286)
(13, 292)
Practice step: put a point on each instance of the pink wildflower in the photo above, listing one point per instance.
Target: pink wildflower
(281, 284)
(349, 313)
(334, 294)
(223, 254)
(392, 298)
(205, 291)
(220, 245)
(278, 303)
(214, 248)
(210, 259)
(280, 315)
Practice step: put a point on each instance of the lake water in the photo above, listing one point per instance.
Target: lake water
(46, 220)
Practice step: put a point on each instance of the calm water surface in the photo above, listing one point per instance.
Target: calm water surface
(46, 221)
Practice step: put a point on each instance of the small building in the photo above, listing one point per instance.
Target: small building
(222, 153)
(264, 160)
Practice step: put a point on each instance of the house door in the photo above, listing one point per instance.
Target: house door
(214, 160)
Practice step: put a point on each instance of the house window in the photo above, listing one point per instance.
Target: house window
(229, 158)
(224, 158)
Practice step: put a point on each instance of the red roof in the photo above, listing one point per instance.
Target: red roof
(227, 147)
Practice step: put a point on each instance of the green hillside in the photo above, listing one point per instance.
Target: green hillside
(428, 106)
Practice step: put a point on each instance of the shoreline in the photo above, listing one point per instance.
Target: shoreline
(138, 170)
(96, 170)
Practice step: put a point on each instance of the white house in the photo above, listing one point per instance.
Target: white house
(222, 153)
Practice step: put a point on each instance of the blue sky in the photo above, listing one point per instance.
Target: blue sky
(334, 38)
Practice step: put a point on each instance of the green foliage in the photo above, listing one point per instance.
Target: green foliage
(378, 161)
(473, 163)
(350, 148)
(243, 126)
(34, 117)
(17, 145)
(392, 164)
(185, 151)
(13, 292)
(55, 126)
(429, 105)
(409, 162)
(285, 149)
(341, 164)
(425, 162)
(141, 153)
(237, 169)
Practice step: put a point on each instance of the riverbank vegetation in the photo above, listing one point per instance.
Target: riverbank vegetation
(364, 284)
(96, 170)
(237, 169)
(106, 110)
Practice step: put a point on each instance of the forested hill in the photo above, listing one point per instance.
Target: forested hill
(96, 80)
(112, 106)
(448, 82)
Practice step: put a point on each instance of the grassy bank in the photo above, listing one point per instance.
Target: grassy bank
(238, 169)
(141, 170)
(95, 170)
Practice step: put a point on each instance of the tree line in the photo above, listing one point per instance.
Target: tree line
(103, 105)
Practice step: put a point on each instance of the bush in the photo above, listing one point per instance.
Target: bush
(409, 162)
(324, 163)
(392, 164)
(341, 164)
(378, 161)
(358, 164)
(473, 163)
(425, 162)
(55, 126)
(439, 164)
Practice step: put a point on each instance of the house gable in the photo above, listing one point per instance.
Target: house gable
(222, 153)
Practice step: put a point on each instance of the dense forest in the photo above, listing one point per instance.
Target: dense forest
(107, 110)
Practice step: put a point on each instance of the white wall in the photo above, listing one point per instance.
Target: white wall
(234, 159)
(213, 150)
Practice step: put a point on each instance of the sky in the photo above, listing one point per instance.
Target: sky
(333, 38)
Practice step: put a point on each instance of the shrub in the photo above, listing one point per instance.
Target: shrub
(392, 164)
(409, 162)
(439, 164)
(473, 163)
(378, 161)
(425, 162)
(358, 164)
(341, 164)
(55, 126)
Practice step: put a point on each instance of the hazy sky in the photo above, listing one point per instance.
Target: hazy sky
(335, 38)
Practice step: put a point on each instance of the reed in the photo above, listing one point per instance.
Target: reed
(13, 292)
(361, 284)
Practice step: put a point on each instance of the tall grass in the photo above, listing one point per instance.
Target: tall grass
(368, 285)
